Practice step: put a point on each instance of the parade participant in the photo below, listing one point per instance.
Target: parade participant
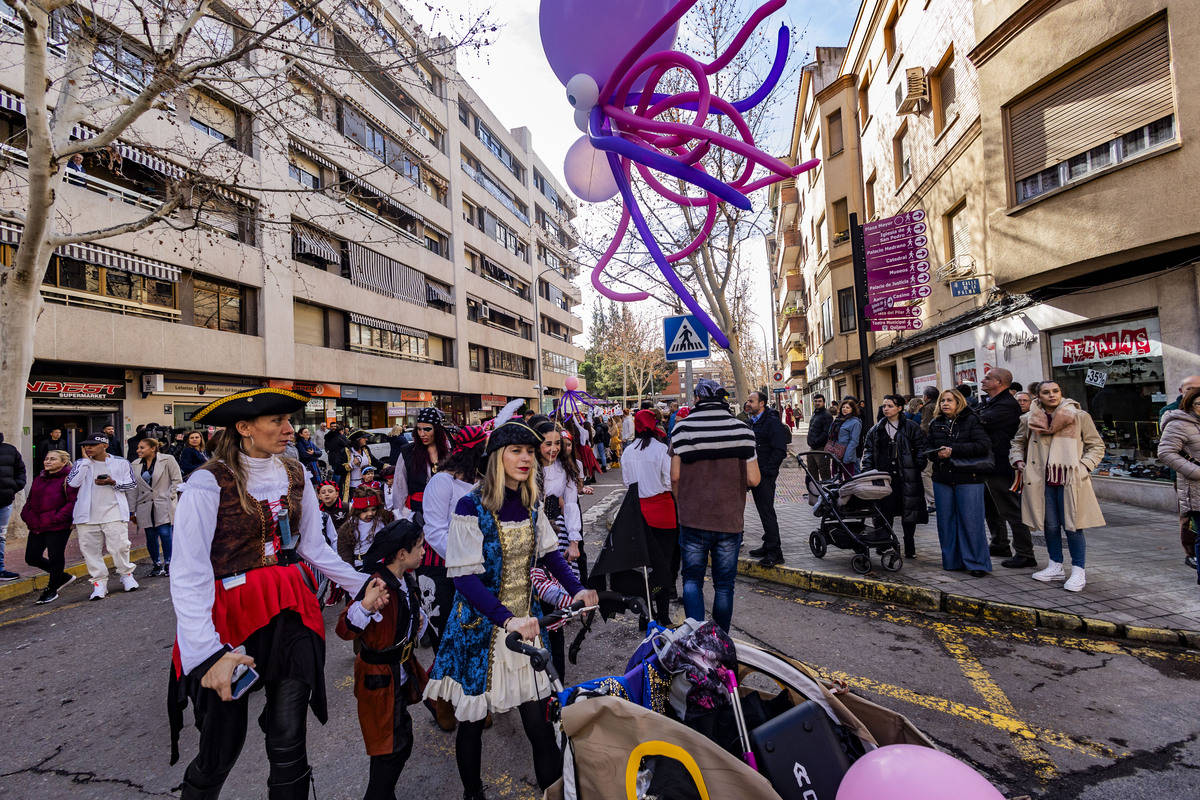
(896, 446)
(420, 460)
(1056, 448)
(243, 523)
(47, 513)
(387, 477)
(368, 516)
(371, 480)
(331, 504)
(158, 478)
(101, 513)
(195, 453)
(959, 468)
(358, 458)
(387, 620)
(583, 453)
(458, 474)
(648, 464)
(496, 536)
(574, 466)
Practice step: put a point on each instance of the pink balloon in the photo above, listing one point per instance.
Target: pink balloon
(572, 383)
(591, 37)
(910, 772)
(588, 174)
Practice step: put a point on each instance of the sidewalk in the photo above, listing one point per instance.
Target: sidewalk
(34, 580)
(1135, 571)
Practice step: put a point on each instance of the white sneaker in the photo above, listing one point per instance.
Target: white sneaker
(1053, 572)
(129, 583)
(99, 590)
(1077, 581)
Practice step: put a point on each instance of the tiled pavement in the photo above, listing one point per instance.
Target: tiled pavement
(1135, 569)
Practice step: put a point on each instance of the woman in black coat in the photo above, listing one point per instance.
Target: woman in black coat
(896, 445)
(960, 466)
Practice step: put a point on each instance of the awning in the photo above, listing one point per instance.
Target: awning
(10, 233)
(311, 242)
(386, 276)
(372, 322)
(398, 209)
(437, 294)
(309, 152)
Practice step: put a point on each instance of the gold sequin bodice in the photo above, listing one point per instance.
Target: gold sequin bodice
(516, 548)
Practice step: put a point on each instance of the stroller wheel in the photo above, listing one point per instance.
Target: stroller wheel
(861, 563)
(818, 544)
(891, 561)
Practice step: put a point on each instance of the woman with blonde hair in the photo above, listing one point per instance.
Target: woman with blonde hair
(1055, 450)
(496, 524)
(48, 510)
(962, 460)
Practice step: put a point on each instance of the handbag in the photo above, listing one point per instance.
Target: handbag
(983, 463)
(832, 446)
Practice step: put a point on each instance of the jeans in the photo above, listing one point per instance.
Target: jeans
(960, 526)
(5, 516)
(601, 455)
(154, 535)
(696, 546)
(1055, 497)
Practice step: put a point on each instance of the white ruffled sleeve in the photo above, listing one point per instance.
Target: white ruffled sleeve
(547, 537)
(315, 549)
(435, 506)
(571, 514)
(192, 585)
(464, 547)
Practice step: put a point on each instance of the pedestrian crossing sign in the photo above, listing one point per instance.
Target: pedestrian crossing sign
(685, 338)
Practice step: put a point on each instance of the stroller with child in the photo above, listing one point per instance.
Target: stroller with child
(850, 517)
(698, 715)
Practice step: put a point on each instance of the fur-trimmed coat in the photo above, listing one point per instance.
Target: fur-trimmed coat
(1033, 447)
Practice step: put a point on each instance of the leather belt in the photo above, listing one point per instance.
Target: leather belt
(397, 654)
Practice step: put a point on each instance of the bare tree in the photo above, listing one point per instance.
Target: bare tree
(111, 78)
(717, 271)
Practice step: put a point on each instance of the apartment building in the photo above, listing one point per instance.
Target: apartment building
(391, 245)
(1045, 142)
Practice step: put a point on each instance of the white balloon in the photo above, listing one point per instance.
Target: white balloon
(588, 173)
(581, 119)
(582, 91)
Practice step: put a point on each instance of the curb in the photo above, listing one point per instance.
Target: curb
(925, 599)
(24, 586)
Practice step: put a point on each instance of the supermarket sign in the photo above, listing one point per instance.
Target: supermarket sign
(1131, 339)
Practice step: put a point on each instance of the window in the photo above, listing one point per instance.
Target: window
(487, 359)
(817, 234)
(958, 233)
(902, 160)
(306, 95)
(473, 214)
(304, 171)
(834, 123)
(943, 95)
(437, 242)
(542, 185)
(841, 221)
(491, 142)
(303, 23)
(815, 152)
(847, 315)
(864, 104)
(1128, 91)
(411, 346)
(869, 196)
(827, 319)
(217, 306)
(890, 44)
(559, 363)
(479, 311)
(309, 324)
(154, 296)
(212, 117)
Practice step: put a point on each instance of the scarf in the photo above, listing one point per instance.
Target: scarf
(711, 432)
(1062, 427)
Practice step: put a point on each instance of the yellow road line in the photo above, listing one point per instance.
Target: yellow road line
(913, 619)
(41, 613)
(1023, 739)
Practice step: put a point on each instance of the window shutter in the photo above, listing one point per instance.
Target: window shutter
(960, 233)
(1116, 92)
(309, 324)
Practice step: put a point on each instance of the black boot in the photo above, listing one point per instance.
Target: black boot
(190, 792)
(293, 790)
(474, 795)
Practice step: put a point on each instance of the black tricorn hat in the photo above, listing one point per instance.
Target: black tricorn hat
(250, 404)
(513, 432)
(400, 535)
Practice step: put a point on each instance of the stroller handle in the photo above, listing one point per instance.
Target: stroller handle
(538, 655)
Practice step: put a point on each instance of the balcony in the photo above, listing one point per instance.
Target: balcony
(795, 282)
(797, 324)
(797, 369)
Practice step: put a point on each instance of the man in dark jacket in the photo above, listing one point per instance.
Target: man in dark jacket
(52, 442)
(336, 450)
(12, 480)
(1001, 416)
(770, 441)
(818, 437)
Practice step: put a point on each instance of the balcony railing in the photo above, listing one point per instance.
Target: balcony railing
(795, 282)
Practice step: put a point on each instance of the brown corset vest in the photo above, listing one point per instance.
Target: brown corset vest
(239, 543)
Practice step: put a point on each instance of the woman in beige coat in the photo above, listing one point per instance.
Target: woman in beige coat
(157, 476)
(1179, 449)
(1055, 450)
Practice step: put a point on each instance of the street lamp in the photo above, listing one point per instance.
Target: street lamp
(767, 351)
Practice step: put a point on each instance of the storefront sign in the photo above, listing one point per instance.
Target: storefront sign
(1096, 378)
(1121, 340)
(493, 400)
(1020, 339)
(74, 389)
(315, 389)
(395, 410)
(416, 396)
(920, 382)
(964, 368)
(190, 388)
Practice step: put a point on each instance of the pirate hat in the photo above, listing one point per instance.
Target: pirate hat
(226, 411)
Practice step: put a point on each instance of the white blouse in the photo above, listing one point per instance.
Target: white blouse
(192, 583)
(650, 469)
(442, 494)
(559, 484)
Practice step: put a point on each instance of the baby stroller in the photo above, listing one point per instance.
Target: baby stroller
(847, 506)
(698, 715)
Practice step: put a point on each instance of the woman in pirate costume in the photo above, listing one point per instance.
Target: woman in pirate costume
(244, 522)
(497, 535)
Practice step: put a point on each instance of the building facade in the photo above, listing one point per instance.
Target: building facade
(384, 242)
(1046, 145)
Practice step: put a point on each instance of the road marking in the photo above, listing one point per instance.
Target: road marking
(1023, 739)
(41, 613)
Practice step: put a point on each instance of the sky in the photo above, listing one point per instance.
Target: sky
(514, 79)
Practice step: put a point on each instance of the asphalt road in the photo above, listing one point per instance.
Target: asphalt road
(83, 690)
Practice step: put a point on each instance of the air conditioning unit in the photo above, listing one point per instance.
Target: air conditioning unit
(916, 89)
(484, 312)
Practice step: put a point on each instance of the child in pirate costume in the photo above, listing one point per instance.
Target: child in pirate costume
(244, 522)
(496, 537)
(367, 518)
(387, 620)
